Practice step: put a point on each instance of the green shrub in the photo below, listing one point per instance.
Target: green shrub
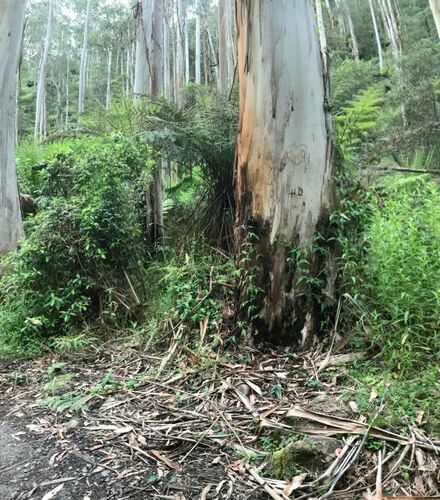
(393, 273)
(86, 238)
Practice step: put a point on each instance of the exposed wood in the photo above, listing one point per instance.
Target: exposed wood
(284, 166)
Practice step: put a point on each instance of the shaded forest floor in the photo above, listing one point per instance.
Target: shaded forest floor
(116, 423)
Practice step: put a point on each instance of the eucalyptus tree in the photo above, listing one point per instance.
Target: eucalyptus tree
(198, 46)
(179, 70)
(435, 8)
(41, 105)
(83, 63)
(376, 35)
(12, 14)
(284, 183)
(142, 76)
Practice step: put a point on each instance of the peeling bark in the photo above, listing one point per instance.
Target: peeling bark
(284, 161)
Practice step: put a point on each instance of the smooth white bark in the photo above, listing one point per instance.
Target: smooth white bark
(157, 49)
(377, 35)
(198, 54)
(354, 42)
(166, 51)
(83, 63)
(222, 46)
(322, 35)
(284, 162)
(186, 52)
(179, 74)
(11, 32)
(39, 129)
(109, 80)
(435, 9)
(142, 71)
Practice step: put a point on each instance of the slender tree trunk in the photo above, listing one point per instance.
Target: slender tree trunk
(198, 56)
(109, 80)
(166, 52)
(394, 24)
(142, 70)
(66, 118)
(231, 44)
(377, 35)
(157, 90)
(322, 35)
(186, 52)
(223, 45)
(330, 12)
(284, 188)
(342, 29)
(214, 60)
(41, 85)
(180, 50)
(83, 63)
(354, 42)
(11, 32)
(435, 8)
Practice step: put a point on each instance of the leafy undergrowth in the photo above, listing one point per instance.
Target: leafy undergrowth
(155, 424)
(392, 304)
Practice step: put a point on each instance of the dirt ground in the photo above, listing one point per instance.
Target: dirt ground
(117, 423)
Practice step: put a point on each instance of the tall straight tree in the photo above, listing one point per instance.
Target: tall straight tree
(376, 35)
(179, 70)
(83, 63)
(11, 31)
(40, 107)
(435, 9)
(223, 45)
(353, 37)
(157, 90)
(284, 183)
(109, 80)
(198, 51)
(142, 72)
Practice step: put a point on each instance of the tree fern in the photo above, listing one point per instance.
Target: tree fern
(358, 119)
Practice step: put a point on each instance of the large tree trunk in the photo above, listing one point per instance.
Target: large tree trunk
(435, 8)
(11, 31)
(377, 35)
(41, 85)
(284, 189)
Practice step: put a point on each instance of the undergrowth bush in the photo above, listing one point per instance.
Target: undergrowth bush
(391, 251)
(186, 287)
(83, 243)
